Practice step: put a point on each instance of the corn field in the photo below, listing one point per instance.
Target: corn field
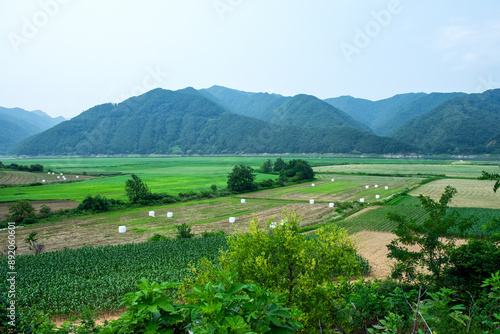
(71, 280)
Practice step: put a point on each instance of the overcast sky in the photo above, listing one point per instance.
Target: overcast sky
(64, 57)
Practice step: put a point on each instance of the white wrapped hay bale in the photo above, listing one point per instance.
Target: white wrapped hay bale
(243, 200)
(331, 205)
(170, 214)
(361, 200)
(377, 196)
(311, 201)
(122, 229)
(151, 213)
(232, 219)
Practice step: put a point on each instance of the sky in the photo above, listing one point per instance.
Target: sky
(66, 56)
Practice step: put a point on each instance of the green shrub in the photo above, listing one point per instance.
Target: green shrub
(184, 231)
(29, 221)
(96, 203)
(157, 237)
(206, 234)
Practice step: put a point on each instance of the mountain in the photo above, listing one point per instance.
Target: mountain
(301, 110)
(413, 109)
(258, 105)
(17, 124)
(374, 114)
(311, 112)
(186, 122)
(467, 124)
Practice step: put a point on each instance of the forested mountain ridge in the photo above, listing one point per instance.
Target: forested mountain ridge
(311, 112)
(17, 124)
(186, 122)
(467, 124)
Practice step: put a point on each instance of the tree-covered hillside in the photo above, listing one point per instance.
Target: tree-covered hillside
(311, 112)
(467, 124)
(17, 124)
(185, 122)
(258, 105)
(374, 114)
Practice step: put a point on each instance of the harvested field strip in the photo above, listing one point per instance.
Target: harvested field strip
(470, 193)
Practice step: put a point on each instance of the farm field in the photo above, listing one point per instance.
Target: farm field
(204, 215)
(18, 177)
(68, 281)
(170, 175)
(65, 239)
(470, 193)
(455, 169)
(343, 188)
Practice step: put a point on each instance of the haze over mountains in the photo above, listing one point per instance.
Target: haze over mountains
(222, 120)
(17, 124)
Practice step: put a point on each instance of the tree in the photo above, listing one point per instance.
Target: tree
(136, 189)
(267, 166)
(428, 236)
(279, 165)
(297, 170)
(493, 177)
(241, 179)
(20, 210)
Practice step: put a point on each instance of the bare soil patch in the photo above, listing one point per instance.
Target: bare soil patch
(372, 246)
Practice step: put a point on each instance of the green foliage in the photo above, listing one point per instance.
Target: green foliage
(427, 237)
(470, 264)
(29, 221)
(279, 165)
(297, 170)
(150, 310)
(137, 189)
(44, 211)
(225, 306)
(266, 167)
(206, 234)
(100, 276)
(491, 176)
(96, 203)
(19, 210)
(157, 237)
(241, 179)
(25, 168)
(184, 231)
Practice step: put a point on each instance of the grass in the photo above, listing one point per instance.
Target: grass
(376, 219)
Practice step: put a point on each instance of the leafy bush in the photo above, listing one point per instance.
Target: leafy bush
(44, 211)
(206, 234)
(96, 203)
(29, 221)
(20, 210)
(157, 237)
(471, 264)
(184, 231)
